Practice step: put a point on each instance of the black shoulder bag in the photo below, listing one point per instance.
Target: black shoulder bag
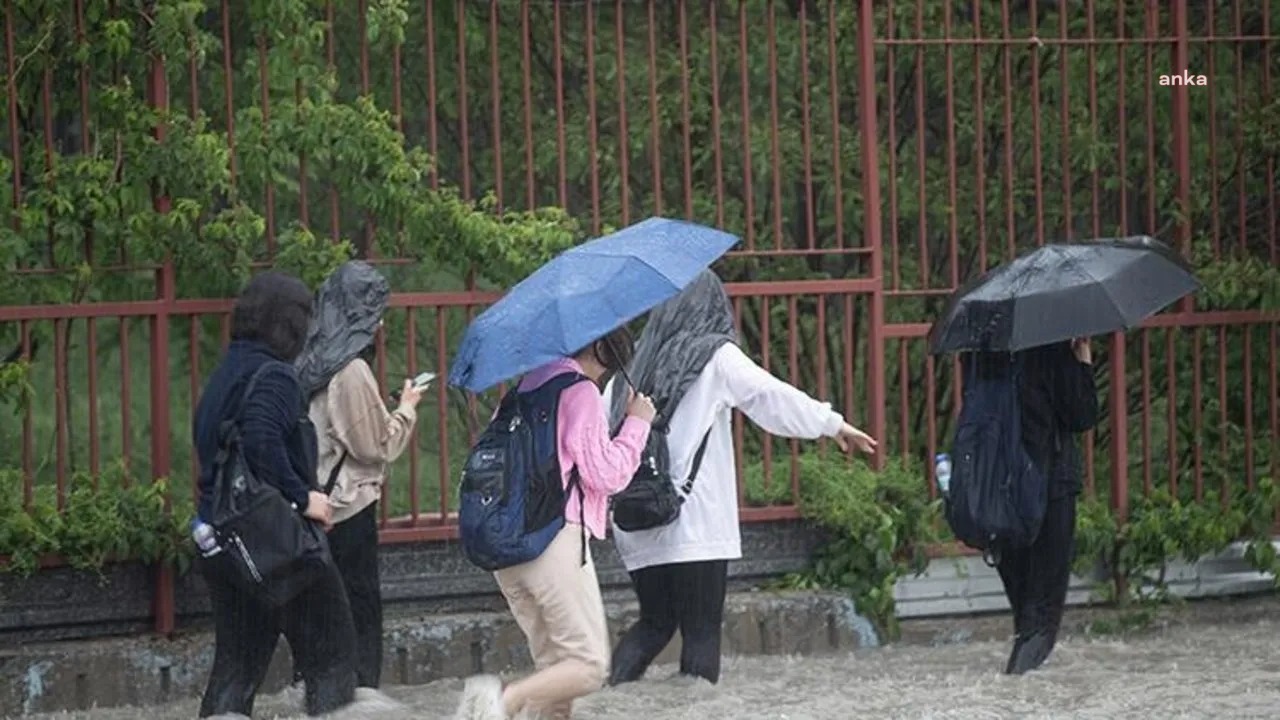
(651, 499)
(272, 550)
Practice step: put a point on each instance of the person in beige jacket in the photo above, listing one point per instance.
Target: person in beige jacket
(358, 439)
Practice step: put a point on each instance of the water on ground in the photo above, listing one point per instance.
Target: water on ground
(1203, 671)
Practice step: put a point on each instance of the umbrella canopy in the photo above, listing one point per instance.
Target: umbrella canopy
(348, 309)
(582, 295)
(1061, 292)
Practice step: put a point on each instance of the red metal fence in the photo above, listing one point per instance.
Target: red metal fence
(991, 127)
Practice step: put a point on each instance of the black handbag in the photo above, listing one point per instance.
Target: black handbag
(651, 499)
(269, 548)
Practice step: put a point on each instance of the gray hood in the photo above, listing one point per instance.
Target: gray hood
(348, 308)
(678, 341)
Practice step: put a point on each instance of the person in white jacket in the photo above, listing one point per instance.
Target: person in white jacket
(688, 361)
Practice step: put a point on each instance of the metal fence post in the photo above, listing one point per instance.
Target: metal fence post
(163, 606)
(871, 224)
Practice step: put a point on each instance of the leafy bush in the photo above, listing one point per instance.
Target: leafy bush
(104, 519)
(879, 524)
(1162, 528)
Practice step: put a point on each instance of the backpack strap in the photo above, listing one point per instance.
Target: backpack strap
(697, 462)
(555, 387)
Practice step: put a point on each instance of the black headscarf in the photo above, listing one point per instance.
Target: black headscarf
(678, 341)
(348, 308)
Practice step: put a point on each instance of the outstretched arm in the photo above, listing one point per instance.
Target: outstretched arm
(776, 406)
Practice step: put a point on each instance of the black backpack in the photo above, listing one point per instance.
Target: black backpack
(651, 499)
(997, 496)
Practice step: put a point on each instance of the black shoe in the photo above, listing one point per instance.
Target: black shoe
(1029, 652)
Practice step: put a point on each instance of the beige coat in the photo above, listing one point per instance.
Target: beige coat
(351, 416)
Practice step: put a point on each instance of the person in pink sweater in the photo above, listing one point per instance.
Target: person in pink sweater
(555, 598)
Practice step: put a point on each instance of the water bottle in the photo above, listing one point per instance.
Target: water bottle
(942, 471)
(202, 533)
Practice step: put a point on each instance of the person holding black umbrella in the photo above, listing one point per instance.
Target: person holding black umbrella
(1022, 328)
(1057, 398)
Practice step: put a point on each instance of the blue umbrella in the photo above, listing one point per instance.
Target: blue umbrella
(582, 295)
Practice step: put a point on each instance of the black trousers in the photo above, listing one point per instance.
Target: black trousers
(684, 596)
(354, 543)
(317, 625)
(1036, 578)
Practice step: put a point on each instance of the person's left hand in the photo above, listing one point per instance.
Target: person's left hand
(851, 437)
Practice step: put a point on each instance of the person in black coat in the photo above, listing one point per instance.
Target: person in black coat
(269, 324)
(1058, 399)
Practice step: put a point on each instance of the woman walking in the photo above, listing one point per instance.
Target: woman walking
(556, 597)
(1058, 398)
(268, 327)
(358, 439)
(689, 360)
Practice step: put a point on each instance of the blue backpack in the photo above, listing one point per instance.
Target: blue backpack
(513, 501)
(997, 496)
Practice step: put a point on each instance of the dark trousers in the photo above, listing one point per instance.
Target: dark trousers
(354, 544)
(684, 596)
(317, 625)
(1035, 581)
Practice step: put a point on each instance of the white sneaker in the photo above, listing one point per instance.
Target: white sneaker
(482, 700)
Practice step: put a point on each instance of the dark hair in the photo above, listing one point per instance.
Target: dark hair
(275, 310)
(614, 351)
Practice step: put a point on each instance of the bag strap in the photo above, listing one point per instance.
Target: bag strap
(697, 462)
(333, 474)
(253, 383)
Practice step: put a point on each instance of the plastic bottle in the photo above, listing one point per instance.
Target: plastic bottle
(204, 537)
(942, 471)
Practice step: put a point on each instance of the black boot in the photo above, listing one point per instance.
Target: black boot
(1030, 650)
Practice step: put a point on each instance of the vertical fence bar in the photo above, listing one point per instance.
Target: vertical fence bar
(1248, 407)
(526, 62)
(1037, 154)
(1182, 157)
(837, 162)
(28, 424)
(126, 398)
(411, 332)
(95, 444)
(442, 417)
(15, 133)
(891, 63)
(561, 149)
(655, 154)
(748, 185)
(166, 292)
(922, 182)
(495, 101)
(806, 129)
(464, 142)
(60, 394)
(871, 218)
(717, 148)
(593, 140)
(624, 138)
(685, 129)
(433, 131)
(952, 189)
(775, 160)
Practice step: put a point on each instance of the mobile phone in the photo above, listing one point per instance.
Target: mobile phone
(421, 382)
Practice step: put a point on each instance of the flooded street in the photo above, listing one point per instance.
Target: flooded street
(1200, 671)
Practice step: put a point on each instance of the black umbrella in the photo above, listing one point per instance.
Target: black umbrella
(1061, 292)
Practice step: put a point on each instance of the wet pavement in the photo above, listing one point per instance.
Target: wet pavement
(1194, 671)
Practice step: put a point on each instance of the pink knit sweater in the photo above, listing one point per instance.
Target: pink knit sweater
(605, 465)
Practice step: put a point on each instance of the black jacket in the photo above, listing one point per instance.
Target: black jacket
(278, 440)
(1059, 399)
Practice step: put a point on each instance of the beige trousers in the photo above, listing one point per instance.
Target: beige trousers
(556, 601)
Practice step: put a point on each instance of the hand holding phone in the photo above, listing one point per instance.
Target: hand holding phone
(411, 395)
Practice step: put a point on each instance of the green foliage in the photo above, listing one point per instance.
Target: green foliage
(1134, 555)
(104, 519)
(878, 526)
